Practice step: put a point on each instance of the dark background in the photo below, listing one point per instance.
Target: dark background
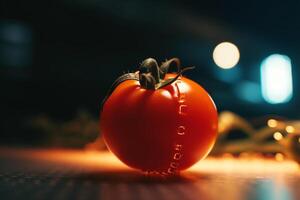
(58, 59)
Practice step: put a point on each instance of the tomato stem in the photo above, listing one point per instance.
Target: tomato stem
(165, 66)
(150, 75)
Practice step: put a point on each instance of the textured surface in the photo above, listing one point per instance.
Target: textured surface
(61, 174)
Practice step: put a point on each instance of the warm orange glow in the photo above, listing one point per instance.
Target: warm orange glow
(272, 123)
(227, 155)
(279, 157)
(245, 166)
(290, 129)
(96, 145)
(226, 120)
(277, 136)
(106, 162)
(90, 159)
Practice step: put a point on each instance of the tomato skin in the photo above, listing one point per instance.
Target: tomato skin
(142, 127)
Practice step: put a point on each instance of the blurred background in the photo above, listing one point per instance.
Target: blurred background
(58, 59)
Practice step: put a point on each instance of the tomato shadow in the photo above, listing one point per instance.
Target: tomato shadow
(132, 176)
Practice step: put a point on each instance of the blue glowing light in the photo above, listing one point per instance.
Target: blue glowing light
(276, 79)
(248, 91)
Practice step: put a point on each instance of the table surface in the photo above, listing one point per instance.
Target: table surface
(71, 174)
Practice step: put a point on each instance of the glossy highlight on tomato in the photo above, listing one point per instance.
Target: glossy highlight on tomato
(166, 129)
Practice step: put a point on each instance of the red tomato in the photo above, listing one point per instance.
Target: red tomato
(164, 130)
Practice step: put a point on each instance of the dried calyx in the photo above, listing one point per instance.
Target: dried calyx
(151, 75)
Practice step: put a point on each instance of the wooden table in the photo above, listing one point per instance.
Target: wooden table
(70, 174)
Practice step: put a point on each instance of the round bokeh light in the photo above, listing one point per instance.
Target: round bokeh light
(226, 55)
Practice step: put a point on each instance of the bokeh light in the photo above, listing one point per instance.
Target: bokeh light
(277, 136)
(290, 129)
(226, 55)
(272, 123)
(248, 91)
(276, 79)
(279, 157)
